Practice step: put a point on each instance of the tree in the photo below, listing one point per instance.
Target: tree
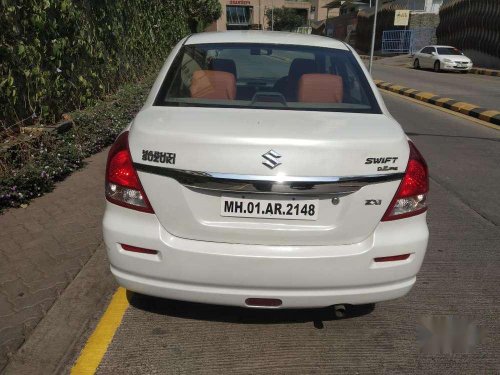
(201, 13)
(285, 19)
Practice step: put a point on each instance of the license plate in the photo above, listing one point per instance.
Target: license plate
(296, 209)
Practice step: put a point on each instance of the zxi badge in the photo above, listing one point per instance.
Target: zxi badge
(271, 159)
(373, 202)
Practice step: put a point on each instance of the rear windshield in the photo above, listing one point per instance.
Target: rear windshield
(448, 51)
(267, 76)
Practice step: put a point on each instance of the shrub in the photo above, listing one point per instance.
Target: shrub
(285, 19)
(58, 55)
(33, 170)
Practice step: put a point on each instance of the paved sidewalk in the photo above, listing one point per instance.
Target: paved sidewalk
(43, 247)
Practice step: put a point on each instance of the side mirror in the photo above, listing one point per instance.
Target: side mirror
(434, 53)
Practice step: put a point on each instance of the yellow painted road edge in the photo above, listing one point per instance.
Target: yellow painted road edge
(97, 344)
(438, 108)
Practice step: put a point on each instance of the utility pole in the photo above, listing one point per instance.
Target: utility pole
(372, 49)
(272, 15)
(261, 24)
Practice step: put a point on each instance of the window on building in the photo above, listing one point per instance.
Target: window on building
(239, 15)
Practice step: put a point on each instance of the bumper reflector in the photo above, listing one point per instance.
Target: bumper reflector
(135, 249)
(393, 258)
(263, 302)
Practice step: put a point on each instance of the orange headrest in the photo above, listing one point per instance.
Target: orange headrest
(211, 84)
(320, 88)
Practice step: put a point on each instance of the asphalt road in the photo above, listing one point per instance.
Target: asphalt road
(460, 278)
(476, 89)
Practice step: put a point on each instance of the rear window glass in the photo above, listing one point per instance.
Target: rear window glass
(449, 51)
(267, 76)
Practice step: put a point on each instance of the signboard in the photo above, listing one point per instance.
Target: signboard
(401, 17)
(239, 2)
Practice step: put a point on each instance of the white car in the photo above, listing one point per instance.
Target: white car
(265, 171)
(442, 58)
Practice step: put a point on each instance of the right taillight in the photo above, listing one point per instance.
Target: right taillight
(123, 186)
(411, 197)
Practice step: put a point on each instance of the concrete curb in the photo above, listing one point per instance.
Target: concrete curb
(366, 57)
(485, 72)
(484, 114)
(54, 343)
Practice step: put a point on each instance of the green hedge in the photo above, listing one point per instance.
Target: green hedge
(33, 169)
(60, 55)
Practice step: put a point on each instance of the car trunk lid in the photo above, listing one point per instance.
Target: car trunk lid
(176, 150)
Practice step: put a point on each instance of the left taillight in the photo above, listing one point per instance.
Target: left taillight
(411, 196)
(123, 186)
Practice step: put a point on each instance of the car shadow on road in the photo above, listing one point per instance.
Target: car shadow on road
(229, 314)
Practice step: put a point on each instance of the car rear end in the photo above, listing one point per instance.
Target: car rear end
(265, 172)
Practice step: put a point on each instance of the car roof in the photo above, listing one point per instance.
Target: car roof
(270, 37)
(439, 46)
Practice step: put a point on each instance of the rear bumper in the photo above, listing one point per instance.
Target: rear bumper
(228, 274)
(237, 296)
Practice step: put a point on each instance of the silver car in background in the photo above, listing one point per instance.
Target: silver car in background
(442, 58)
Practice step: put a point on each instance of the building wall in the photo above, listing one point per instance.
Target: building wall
(472, 26)
(259, 9)
(321, 12)
(341, 27)
(428, 6)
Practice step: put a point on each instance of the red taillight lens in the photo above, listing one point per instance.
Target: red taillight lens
(122, 183)
(410, 199)
(393, 258)
(264, 302)
(140, 250)
(121, 170)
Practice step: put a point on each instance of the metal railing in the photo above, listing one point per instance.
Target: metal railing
(397, 41)
(406, 41)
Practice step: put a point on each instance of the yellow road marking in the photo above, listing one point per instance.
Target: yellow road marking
(464, 107)
(486, 115)
(397, 87)
(442, 109)
(410, 91)
(440, 102)
(97, 345)
(425, 95)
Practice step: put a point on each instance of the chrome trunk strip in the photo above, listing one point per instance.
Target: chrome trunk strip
(255, 184)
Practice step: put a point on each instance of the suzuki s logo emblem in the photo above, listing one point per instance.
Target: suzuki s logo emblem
(271, 159)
